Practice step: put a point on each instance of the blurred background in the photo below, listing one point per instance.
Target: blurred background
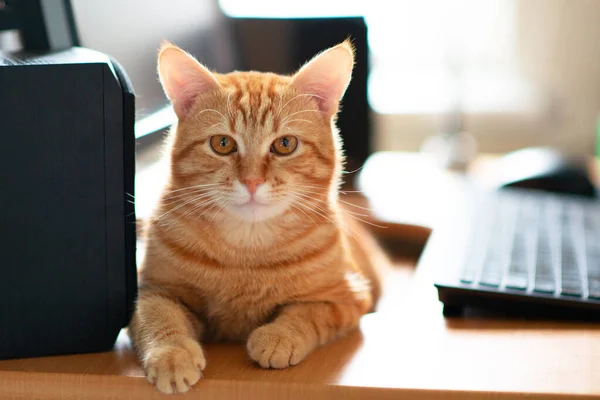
(519, 72)
(469, 76)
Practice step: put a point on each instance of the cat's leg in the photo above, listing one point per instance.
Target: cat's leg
(165, 334)
(299, 329)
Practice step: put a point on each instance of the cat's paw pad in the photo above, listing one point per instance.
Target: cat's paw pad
(175, 368)
(274, 346)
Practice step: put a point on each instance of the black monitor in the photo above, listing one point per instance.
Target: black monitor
(42, 24)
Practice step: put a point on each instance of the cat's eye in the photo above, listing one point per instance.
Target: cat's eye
(284, 145)
(223, 144)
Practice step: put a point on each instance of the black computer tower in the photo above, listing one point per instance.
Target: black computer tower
(67, 220)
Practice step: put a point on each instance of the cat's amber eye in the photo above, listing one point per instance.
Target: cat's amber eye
(284, 145)
(223, 144)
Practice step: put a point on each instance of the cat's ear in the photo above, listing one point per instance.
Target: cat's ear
(182, 77)
(327, 76)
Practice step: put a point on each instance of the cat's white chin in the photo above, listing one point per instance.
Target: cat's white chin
(255, 212)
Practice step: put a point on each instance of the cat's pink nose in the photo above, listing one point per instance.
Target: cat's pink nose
(253, 183)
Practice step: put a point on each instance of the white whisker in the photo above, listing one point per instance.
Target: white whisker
(352, 172)
(322, 211)
(179, 196)
(192, 187)
(324, 194)
(196, 207)
(223, 206)
(306, 194)
(194, 199)
(182, 197)
(340, 200)
(296, 120)
(222, 124)
(346, 229)
(350, 191)
(213, 110)
(325, 188)
(296, 97)
(367, 222)
(348, 213)
(219, 200)
(302, 211)
(299, 112)
(354, 205)
(303, 194)
(319, 211)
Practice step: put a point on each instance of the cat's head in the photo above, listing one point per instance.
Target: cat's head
(255, 145)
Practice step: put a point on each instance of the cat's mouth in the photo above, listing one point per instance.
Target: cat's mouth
(253, 210)
(254, 204)
(257, 210)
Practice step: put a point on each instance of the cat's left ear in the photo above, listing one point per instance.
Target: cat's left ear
(327, 76)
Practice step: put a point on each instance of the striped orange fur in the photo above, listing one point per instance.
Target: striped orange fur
(285, 272)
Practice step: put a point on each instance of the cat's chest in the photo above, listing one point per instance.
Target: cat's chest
(236, 303)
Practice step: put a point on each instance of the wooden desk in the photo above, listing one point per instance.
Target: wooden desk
(406, 350)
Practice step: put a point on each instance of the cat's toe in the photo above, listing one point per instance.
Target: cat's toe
(193, 347)
(273, 346)
(175, 369)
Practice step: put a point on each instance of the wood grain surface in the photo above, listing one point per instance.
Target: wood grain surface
(404, 350)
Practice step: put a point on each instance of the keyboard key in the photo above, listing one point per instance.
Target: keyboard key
(593, 266)
(592, 249)
(490, 281)
(571, 292)
(544, 286)
(474, 260)
(593, 263)
(568, 262)
(544, 281)
(491, 278)
(594, 289)
(518, 282)
(570, 268)
(522, 247)
(468, 276)
(571, 287)
(498, 254)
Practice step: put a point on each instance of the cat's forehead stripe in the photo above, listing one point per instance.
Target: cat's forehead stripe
(270, 104)
(237, 100)
(253, 100)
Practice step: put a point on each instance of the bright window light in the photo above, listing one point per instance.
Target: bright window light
(292, 9)
(430, 91)
(430, 56)
(426, 56)
(161, 119)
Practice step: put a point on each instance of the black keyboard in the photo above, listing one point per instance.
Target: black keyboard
(529, 246)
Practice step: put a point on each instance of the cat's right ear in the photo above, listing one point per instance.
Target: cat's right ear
(327, 76)
(183, 78)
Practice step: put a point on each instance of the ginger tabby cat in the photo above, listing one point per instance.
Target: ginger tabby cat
(248, 242)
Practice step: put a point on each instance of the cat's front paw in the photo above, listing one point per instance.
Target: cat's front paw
(175, 368)
(276, 346)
